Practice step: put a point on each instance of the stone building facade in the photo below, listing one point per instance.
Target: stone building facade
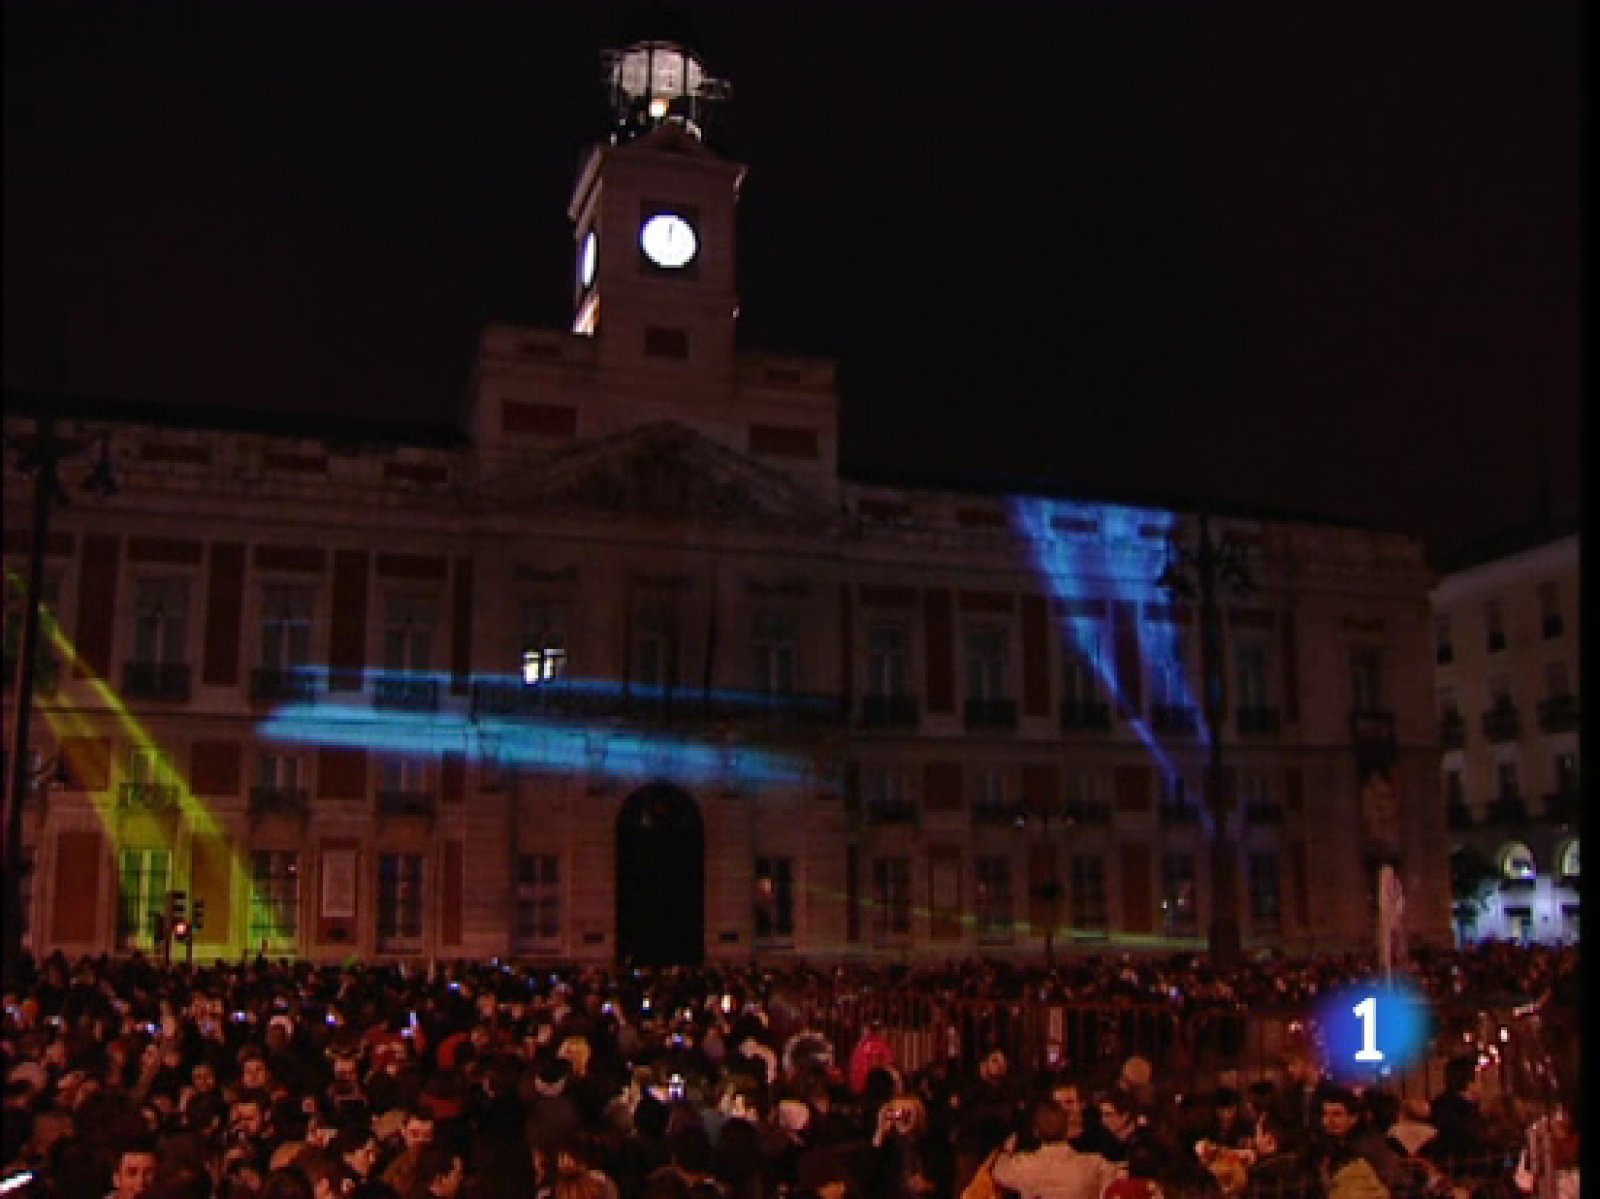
(621, 666)
(1506, 648)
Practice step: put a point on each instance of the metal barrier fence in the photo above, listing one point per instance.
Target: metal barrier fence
(1188, 1051)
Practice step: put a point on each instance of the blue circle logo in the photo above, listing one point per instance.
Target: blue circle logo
(1372, 1029)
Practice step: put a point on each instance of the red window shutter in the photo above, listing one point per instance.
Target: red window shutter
(1137, 911)
(450, 895)
(461, 630)
(1035, 656)
(77, 887)
(941, 650)
(224, 612)
(347, 651)
(97, 606)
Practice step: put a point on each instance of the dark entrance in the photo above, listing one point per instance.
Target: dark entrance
(661, 879)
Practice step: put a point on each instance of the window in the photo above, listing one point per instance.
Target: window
(887, 790)
(1519, 924)
(285, 627)
(1081, 667)
(1556, 683)
(773, 647)
(1516, 862)
(404, 775)
(1505, 774)
(1567, 864)
(1500, 692)
(1254, 787)
(544, 643)
(399, 901)
(666, 343)
(1366, 678)
(1444, 645)
(655, 651)
(1167, 683)
(1088, 893)
(1565, 772)
(888, 656)
(986, 663)
(774, 899)
(1449, 708)
(274, 897)
(1266, 910)
(1550, 623)
(1494, 625)
(408, 633)
(992, 904)
(150, 781)
(891, 893)
(161, 621)
(278, 774)
(538, 899)
(1179, 917)
(142, 883)
(1454, 791)
(990, 785)
(1250, 675)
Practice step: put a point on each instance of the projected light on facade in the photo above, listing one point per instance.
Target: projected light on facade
(1079, 549)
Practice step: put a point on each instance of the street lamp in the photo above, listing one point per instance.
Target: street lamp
(1213, 565)
(43, 458)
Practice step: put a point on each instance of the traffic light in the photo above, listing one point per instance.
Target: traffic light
(177, 905)
(199, 913)
(180, 929)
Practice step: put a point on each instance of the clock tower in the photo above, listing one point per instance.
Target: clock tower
(653, 218)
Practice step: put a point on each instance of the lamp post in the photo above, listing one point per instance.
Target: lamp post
(1213, 564)
(45, 458)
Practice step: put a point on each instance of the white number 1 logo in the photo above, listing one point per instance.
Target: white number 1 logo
(1367, 1009)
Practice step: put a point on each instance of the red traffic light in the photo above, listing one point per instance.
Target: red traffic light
(180, 929)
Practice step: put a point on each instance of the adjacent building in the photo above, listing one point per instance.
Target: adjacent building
(1506, 641)
(619, 666)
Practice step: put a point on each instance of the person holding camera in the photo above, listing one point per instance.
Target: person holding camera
(905, 1159)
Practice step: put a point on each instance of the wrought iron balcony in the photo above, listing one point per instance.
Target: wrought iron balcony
(889, 712)
(279, 801)
(1502, 723)
(1508, 809)
(991, 713)
(1174, 719)
(155, 680)
(405, 803)
(889, 811)
(1263, 811)
(405, 693)
(1458, 815)
(147, 797)
(1452, 730)
(1085, 714)
(995, 813)
(1558, 714)
(1258, 722)
(1086, 811)
(1172, 812)
(282, 685)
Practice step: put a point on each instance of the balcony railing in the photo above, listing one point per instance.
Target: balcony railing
(1502, 723)
(889, 811)
(282, 685)
(1452, 731)
(1258, 722)
(1458, 815)
(279, 801)
(1086, 714)
(147, 797)
(889, 712)
(998, 812)
(46, 673)
(1263, 811)
(1086, 811)
(1174, 719)
(405, 693)
(991, 713)
(1172, 812)
(1558, 714)
(405, 803)
(1508, 809)
(155, 680)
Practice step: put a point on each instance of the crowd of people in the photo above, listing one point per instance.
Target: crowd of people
(285, 1080)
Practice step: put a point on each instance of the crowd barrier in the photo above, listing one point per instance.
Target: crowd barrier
(1189, 1051)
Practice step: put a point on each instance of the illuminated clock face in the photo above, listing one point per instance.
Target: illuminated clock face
(586, 259)
(668, 241)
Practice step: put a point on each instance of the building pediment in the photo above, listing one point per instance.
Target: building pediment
(666, 472)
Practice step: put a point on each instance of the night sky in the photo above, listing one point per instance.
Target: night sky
(1318, 256)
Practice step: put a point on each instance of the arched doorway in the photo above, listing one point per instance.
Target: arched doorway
(661, 879)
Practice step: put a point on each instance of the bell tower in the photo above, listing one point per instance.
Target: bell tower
(653, 217)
